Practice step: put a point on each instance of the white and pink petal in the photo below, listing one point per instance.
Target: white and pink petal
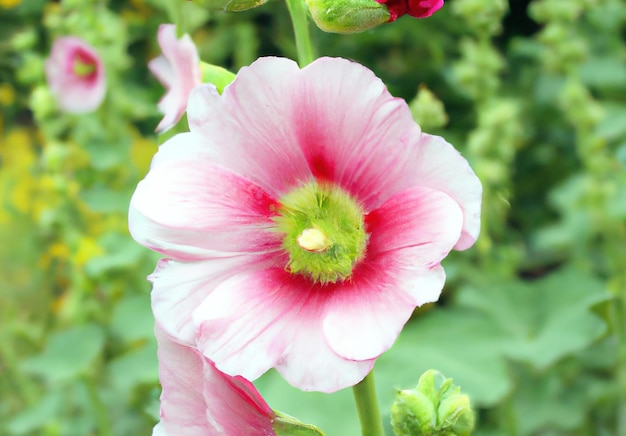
(178, 288)
(364, 319)
(199, 400)
(249, 125)
(269, 318)
(439, 165)
(178, 69)
(193, 209)
(358, 135)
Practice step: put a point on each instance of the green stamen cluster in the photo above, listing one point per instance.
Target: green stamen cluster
(324, 232)
(83, 69)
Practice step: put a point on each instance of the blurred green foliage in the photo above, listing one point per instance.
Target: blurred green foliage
(532, 322)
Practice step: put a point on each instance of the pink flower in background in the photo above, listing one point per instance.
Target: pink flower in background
(414, 8)
(200, 400)
(178, 69)
(75, 75)
(303, 217)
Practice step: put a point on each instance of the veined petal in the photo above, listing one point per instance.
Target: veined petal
(423, 220)
(183, 409)
(410, 234)
(358, 136)
(199, 400)
(250, 125)
(277, 322)
(178, 288)
(438, 165)
(365, 318)
(307, 123)
(189, 209)
(311, 366)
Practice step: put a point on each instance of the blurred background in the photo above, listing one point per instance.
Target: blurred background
(532, 320)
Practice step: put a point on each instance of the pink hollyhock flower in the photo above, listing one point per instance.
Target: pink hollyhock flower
(200, 400)
(415, 8)
(75, 75)
(178, 69)
(304, 217)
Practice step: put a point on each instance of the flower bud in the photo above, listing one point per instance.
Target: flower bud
(413, 413)
(428, 110)
(347, 16)
(435, 407)
(414, 8)
(455, 414)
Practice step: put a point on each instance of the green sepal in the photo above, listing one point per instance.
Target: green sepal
(347, 16)
(230, 5)
(412, 414)
(285, 425)
(218, 76)
(436, 407)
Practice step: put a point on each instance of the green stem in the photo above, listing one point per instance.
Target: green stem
(367, 406)
(178, 17)
(297, 11)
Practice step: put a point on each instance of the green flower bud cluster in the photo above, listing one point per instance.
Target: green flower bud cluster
(428, 110)
(564, 48)
(477, 73)
(435, 407)
(484, 17)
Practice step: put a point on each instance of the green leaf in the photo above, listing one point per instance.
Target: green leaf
(132, 318)
(121, 253)
(46, 410)
(462, 344)
(335, 413)
(68, 354)
(138, 366)
(546, 319)
(103, 199)
(551, 400)
(230, 5)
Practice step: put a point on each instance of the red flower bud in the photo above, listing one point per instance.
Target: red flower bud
(415, 8)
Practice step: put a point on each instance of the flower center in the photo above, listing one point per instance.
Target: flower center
(324, 232)
(83, 68)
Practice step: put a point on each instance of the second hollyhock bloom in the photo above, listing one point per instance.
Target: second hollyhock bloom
(200, 400)
(303, 217)
(75, 75)
(178, 69)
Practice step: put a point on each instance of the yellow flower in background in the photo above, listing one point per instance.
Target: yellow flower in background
(87, 248)
(17, 183)
(141, 152)
(8, 4)
(16, 150)
(56, 250)
(7, 93)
